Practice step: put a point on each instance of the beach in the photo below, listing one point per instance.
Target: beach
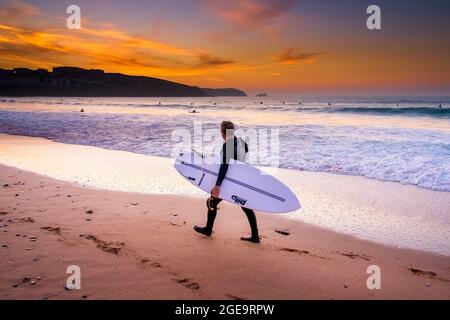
(58, 210)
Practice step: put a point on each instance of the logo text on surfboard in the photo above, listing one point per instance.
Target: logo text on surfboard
(238, 200)
(201, 179)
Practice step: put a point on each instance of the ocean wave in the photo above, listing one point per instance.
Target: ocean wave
(410, 156)
(411, 111)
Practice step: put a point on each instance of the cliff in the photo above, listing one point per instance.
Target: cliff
(72, 81)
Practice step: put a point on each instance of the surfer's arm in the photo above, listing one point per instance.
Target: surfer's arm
(222, 172)
(223, 166)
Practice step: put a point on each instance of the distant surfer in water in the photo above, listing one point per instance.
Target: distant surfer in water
(233, 148)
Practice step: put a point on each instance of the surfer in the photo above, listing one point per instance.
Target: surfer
(233, 148)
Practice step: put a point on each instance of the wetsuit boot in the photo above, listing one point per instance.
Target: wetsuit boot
(253, 225)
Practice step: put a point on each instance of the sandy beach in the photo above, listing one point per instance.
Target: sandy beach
(132, 245)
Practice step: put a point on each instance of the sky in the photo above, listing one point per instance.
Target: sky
(304, 47)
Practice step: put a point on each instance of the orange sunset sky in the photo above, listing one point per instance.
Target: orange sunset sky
(279, 47)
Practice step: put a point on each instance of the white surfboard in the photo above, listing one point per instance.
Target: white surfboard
(244, 185)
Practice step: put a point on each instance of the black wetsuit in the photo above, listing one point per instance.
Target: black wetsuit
(236, 149)
(231, 149)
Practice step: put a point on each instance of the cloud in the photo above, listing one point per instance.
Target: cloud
(209, 60)
(251, 13)
(294, 56)
(109, 49)
(16, 10)
(31, 38)
(216, 36)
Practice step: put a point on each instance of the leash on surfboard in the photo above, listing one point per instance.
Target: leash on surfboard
(197, 152)
(202, 156)
(202, 171)
(208, 201)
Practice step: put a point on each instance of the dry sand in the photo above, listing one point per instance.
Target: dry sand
(137, 246)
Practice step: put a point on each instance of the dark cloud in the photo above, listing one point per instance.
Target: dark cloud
(207, 60)
(251, 13)
(293, 55)
(16, 11)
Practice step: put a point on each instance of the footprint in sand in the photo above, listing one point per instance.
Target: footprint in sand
(283, 232)
(55, 230)
(352, 255)
(175, 224)
(188, 283)
(428, 274)
(232, 296)
(295, 250)
(156, 265)
(110, 247)
(146, 261)
(51, 296)
(425, 273)
(303, 252)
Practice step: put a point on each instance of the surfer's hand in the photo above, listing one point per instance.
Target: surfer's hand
(215, 192)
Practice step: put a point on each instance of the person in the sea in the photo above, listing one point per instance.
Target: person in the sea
(233, 148)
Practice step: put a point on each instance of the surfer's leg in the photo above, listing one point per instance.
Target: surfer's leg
(212, 212)
(253, 225)
(211, 203)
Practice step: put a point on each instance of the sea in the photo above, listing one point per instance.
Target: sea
(397, 139)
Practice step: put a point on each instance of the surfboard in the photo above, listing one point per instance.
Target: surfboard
(244, 185)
